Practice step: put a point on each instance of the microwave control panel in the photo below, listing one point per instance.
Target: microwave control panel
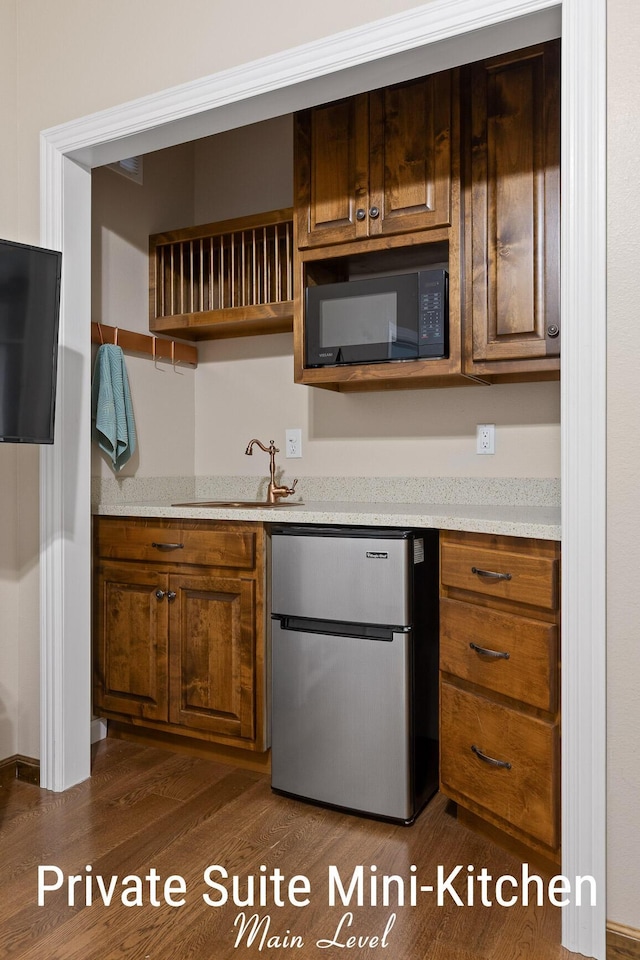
(433, 313)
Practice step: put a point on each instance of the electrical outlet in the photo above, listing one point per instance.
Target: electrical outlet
(293, 444)
(486, 438)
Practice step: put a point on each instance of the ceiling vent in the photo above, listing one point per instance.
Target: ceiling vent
(131, 168)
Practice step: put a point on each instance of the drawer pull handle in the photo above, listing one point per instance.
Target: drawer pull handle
(490, 575)
(167, 546)
(498, 654)
(496, 763)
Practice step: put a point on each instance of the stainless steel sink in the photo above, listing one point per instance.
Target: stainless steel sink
(239, 504)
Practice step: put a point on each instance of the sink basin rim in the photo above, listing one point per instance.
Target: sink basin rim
(238, 504)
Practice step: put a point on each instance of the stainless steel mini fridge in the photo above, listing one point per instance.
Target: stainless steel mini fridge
(355, 667)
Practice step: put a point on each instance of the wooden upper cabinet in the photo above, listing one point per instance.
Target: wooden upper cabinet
(375, 164)
(410, 156)
(331, 161)
(512, 197)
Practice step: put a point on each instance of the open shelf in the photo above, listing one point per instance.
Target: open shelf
(403, 254)
(227, 279)
(389, 375)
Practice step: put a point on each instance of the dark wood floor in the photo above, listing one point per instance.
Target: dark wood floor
(146, 808)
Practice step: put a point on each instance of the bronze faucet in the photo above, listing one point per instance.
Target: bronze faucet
(274, 492)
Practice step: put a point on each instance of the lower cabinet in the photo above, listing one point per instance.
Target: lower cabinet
(131, 642)
(179, 644)
(502, 760)
(499, 673)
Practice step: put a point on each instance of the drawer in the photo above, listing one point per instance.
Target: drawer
(180, 543)
(526, 667)
(501, 574)
(525, 794)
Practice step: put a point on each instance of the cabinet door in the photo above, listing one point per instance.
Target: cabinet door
(131, 669)
(331, 171)
(512, 200)
(212, 654)
(410, 156)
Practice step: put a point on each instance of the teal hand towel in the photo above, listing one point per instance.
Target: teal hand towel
(114, 428)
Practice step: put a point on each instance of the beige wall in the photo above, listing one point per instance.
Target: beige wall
(76, 57)
(9, 635)
(28, 580)
(623, 451)
(244, 171)
(8, 119)
(8, 454)
(124, 214)
(402, 433)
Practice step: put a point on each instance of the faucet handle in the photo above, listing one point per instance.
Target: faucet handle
(293, 486)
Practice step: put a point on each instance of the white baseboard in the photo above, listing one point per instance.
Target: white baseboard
(98, 729)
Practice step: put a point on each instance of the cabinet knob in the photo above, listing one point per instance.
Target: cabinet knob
(374, 213)
(553, 330)
(169, 594)
(360, 213)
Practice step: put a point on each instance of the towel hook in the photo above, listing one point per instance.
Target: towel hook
(153, 348)
(115, 336)
(173, 352)
(100, 334)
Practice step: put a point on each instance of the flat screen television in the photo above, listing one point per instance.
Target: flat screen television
(29, 315)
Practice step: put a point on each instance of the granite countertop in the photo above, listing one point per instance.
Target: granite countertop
(539, 522)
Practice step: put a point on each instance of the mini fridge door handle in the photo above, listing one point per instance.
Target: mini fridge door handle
(334, 628)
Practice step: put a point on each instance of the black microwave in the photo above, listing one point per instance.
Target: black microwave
(397, 317)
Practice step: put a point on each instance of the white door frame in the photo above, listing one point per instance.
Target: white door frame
(279, 84)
